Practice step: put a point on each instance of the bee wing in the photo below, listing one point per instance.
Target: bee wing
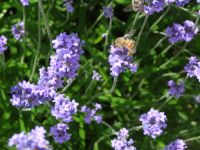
(129, 34)
(128, 8)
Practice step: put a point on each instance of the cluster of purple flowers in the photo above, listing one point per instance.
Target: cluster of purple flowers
(120, 60)
(64, 108)
(96, 76)
(18, 30)
(64, 63)
(153, 123)
(32, 141)
(59, 132)
(153, 6)
(177, 2)
(27, 95)
(68, 51)
(185, 32)
(193, 68)
(107, 12)
(121, 142)
(91, 113)
(176, 90)
(3, 43)
(176, 145)
(25, 2)
(68, 5)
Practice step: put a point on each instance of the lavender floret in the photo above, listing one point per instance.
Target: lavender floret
(153, 123)
(3, 43)
(59, 133)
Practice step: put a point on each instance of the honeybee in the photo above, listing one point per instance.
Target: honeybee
(127, 43)
(136, 5)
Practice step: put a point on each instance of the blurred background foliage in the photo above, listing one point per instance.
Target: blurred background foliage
(134, 93)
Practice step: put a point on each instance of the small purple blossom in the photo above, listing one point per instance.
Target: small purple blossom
(107, 11)
(185, 32)
(18, 31)
(153, 123)
(59, 133)
(32, 141)
(176, 145)
(3, 43)
(121, 142)
(27, 95)
(176, 90)
(68, 5)
(91, 114)
(25, 2)
(153, 6)
(182, 2)
(120, 60)
(190, 30)
(96, 76)
(64, 108)
(193, 68)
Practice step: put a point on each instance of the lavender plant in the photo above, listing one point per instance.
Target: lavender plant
(56, 99)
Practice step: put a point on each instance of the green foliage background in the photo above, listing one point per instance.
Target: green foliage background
(134, 93)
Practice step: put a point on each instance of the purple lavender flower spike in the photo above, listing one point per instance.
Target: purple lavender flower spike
(121, 142)
(185, 32)
(68, 5)
(190, 30)
(176, 145)
(27, 95)
(59, 133)
(153, 123)
(68, 51)
(193, 68)
(91, 114)
(182, 2)
(64, 108)
(3, 43)
(18, 31)
(107, 12)
(154, 6)
(33, 140)
(175, 33)
(176, 90)
(120, 60)
(25, 2)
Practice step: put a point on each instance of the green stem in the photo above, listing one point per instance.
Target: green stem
(113, 85)
(89, 87)
(46, 26)
(39, 45)
(68, 85)
(107, 125)
(192, 139)
(166, 49)
(137, 128)
(24, 37)
(107, 33)
(159, 42)
(135, 20)
(160, 18)
(97, 21)
(141, 30)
